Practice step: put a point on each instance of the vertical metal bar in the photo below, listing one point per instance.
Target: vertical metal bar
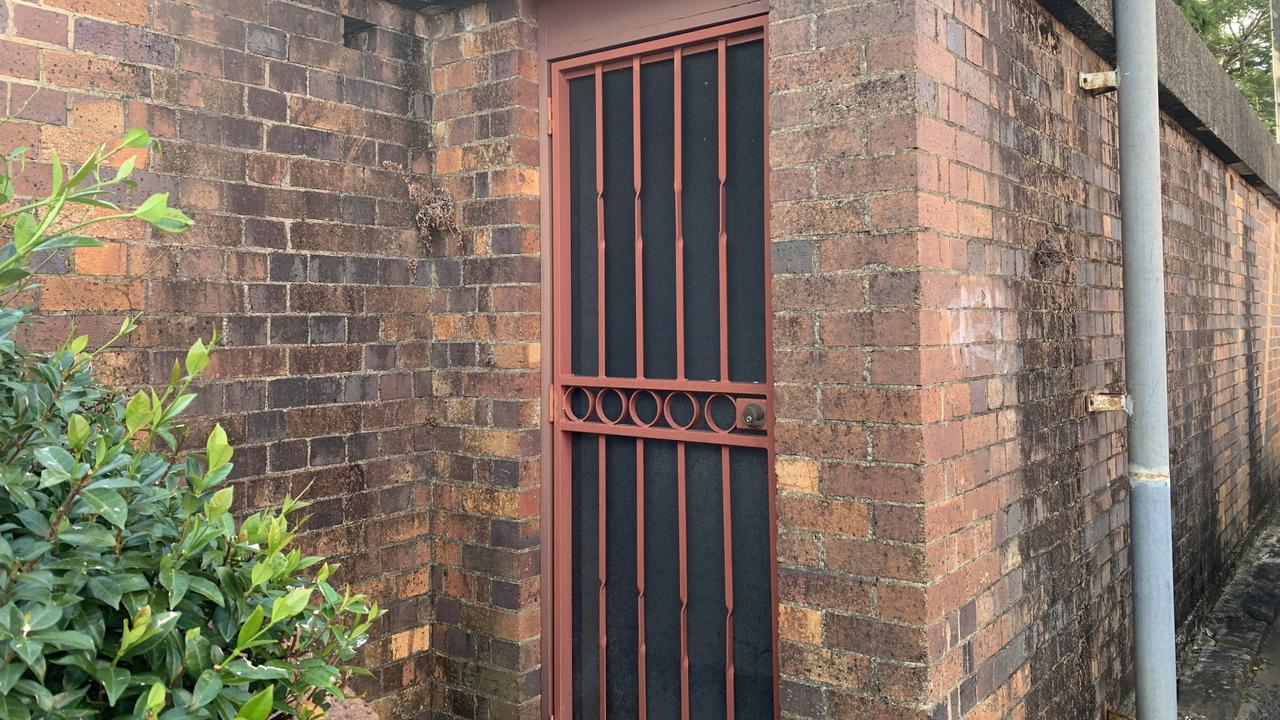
(722, 122)
(641, 674)
(636, 181)
(561, 621)
(726, 510)
(678, 182)
(639, 262)
(684, 582)
(769, 388)
(1146, 361)
(564, 575)
(602, 560)
(600, 349)
(602, 565)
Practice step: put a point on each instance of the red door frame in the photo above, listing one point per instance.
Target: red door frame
(557, 621)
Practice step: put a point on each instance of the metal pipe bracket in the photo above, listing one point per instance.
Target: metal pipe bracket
(1108, 402)
(1098, 83)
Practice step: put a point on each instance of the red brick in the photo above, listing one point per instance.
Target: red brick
(66, 294)
(19, 61)
(73, 70)
(41, 25)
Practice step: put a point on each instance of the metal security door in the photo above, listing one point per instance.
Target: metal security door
(663, 570)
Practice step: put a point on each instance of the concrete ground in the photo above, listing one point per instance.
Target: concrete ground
(1262, 697)
(1232, 672)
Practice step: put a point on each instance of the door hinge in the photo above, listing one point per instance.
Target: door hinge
(551, 404)
(551, 117)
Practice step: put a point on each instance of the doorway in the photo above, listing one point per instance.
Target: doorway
(662, 525)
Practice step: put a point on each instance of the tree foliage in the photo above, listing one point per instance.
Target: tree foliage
(127, 587)
(1238, 32)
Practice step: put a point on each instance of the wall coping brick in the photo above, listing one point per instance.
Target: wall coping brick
(1194, 89)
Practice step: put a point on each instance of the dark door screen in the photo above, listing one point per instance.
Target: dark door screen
(663, 577)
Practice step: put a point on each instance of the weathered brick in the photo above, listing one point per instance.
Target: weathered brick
(35, 23)
(67, 294)
(19, 60)
(133, 12)
(71, 70)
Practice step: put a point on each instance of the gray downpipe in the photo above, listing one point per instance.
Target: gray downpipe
(1146, 371)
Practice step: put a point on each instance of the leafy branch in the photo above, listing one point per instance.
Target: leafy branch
(130, 588)
(1238, 33)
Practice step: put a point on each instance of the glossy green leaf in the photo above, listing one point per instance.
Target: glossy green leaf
(28, 649)
(61, 242)
(77, 431)
(114, 680)
(55, 458)
(25, 227)
(107, 590)
(66, 640)
(10, 674)
(258, 706)
(125, 169)
(107, 503)
(250, 627)
(40, 618)
(219, 503)
(172, 220)
(55, 164)
(136, 138)
(137, 413)
(152, 209)
(155, 699)
(197, 358)
(217, 448)
(12, 708)
(208, 590)
(290, 604)
(207, 688)
(243, 670)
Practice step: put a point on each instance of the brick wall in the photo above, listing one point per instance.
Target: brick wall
(484, 319)
(1029, 611)
(952, 524)
(849, 236)
(290, 150)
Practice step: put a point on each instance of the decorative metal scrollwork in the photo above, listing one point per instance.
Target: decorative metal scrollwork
(665, 409)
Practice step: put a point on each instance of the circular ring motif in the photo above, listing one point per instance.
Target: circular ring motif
(711, 416)
(569, 396)
(635, 412)
(693, 405)
(622, 406)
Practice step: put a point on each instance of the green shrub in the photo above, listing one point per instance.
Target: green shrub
(127, 588)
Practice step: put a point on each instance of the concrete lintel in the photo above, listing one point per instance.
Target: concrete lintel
(1194, 90)
(435, 4)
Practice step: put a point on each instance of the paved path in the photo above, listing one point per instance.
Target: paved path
(1233, 670)
(1262, 697)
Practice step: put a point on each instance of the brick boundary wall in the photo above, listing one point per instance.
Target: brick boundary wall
(953, 525)
(1034, 521)
(293, 153)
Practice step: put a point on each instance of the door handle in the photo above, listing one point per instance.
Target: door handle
(753, 416)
